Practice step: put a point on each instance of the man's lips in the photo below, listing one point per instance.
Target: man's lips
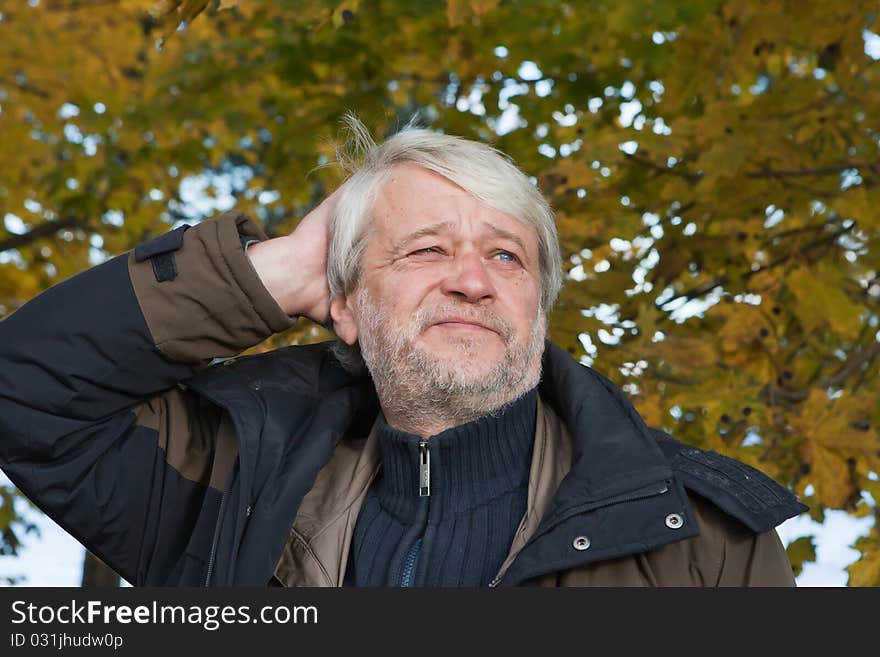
(461, 323)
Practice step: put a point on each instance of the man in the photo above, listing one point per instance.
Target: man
(440, 442)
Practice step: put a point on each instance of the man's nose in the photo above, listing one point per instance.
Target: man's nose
(468, 278)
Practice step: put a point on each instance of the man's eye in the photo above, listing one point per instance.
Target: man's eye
(506, 256)
(427, 250)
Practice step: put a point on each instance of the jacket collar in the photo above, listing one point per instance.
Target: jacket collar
(612, 450)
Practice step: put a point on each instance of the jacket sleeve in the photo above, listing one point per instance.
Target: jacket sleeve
(756, 560)
(727, 553)
(93, 427)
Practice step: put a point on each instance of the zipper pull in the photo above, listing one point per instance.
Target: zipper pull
(424, 469)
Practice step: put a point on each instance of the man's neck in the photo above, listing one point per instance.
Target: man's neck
(424, 429)
(433, 421)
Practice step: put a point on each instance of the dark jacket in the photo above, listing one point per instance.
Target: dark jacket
(119, 421)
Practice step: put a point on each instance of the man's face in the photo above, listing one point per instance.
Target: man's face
(448, 299)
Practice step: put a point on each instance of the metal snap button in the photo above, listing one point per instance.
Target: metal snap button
(581, 543)
(674, 521)
(256, 385)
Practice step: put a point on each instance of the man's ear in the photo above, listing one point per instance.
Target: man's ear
(344, 324)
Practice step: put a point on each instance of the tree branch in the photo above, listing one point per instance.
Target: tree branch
(705, 288)
(856, 360)
(798, 173)
(43, 230)
(864, 355)
(767, 173)
(693, 177)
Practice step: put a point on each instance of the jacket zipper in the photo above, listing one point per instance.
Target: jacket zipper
(213, 553)
(643, 493)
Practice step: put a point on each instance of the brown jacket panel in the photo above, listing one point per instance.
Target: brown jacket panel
(216, 306)
(726, 553)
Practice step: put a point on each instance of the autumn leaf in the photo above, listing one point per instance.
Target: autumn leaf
(866, 571)
(821, 302)
(800, 551)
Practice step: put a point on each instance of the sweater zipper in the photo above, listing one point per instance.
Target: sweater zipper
(642, 493)
(424, 469)
(409, 564)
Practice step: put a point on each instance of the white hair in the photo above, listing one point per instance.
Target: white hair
(481, 170)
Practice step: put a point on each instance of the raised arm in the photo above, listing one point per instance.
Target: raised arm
(92, 423)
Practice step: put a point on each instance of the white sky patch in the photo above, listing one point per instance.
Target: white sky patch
(682, 310)
(508, 121)
(628, 112)
(565, 120)
(604, 312)
(197, 202)
(14, 224)
(833, 539)
(543, 88)
(68, 110)
(629, 147)
(510, 89)
(33, 206)
(872, 44)
(113, 217)
(267, 197)
(529, 71)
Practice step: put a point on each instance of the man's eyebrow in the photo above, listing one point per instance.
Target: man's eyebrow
(433, 229)
(506, 234)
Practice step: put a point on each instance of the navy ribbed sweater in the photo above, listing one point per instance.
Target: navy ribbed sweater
(461, 531)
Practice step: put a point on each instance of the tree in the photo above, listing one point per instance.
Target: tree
(713, 166)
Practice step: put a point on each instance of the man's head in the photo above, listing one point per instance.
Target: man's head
(443, 261)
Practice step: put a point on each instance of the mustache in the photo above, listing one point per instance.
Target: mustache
(426, 317)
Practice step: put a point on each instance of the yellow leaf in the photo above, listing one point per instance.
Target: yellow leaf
(724, 159)
(800, 551)
(829, 475)
(746, 339)
(821, 301)
(650, 409)
(686, 353)
(458, 12)
(480, 7)
(866, 571)
(829, 423)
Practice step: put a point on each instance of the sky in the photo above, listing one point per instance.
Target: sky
(56, 558)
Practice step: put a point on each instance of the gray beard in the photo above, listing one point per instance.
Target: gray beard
(418, 389)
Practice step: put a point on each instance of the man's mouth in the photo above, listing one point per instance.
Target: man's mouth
(462, 324)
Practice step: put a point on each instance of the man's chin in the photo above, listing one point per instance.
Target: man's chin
(473, 342)
(471, 371)
(475, 359)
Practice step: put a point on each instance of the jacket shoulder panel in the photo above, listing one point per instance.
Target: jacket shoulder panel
(738, 489)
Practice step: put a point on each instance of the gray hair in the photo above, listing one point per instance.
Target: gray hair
(481, 170)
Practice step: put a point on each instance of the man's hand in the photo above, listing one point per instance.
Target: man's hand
(294, 267)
